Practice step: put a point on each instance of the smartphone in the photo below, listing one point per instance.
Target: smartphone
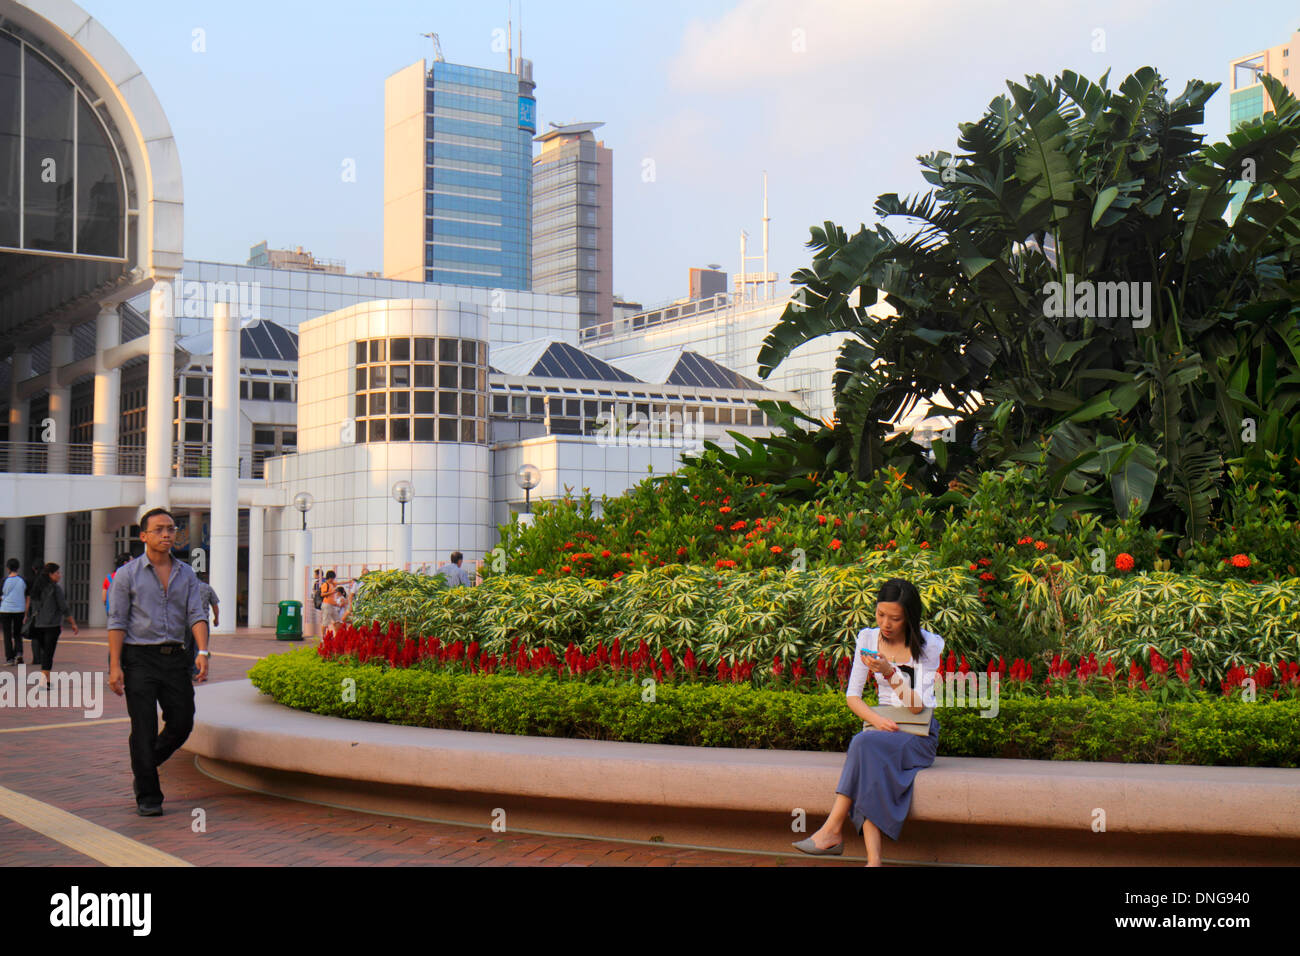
(868, 653)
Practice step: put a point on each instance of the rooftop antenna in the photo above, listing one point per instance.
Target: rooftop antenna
(521, 37)
(510, 38)
(765, 222)
(437, 47)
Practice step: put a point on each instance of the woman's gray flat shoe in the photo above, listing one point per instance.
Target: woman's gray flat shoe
(807, 846)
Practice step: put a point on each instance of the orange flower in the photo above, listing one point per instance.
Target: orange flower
(1124, 561)
(1240, 561)
(604, 554)
(925, 544)
(1040, 545)
(821, 519)
(775, 549)
(835, 544)
(725, 509)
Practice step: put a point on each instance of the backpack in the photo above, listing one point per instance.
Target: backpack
(317, 599)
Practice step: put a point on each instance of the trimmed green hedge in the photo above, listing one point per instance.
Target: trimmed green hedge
(1218, 732)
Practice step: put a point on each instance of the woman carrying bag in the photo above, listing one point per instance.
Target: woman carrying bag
(875, 788)
(49, 609)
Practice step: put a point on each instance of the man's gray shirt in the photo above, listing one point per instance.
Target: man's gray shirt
(455, 576)
(136, 603)
(209, 598)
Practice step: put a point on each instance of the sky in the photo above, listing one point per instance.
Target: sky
(271, 100)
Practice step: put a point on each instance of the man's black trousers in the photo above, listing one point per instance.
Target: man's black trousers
(156, 676)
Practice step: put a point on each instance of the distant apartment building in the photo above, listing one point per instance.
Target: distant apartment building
(458, 174)
(260, 255)
(573, 220)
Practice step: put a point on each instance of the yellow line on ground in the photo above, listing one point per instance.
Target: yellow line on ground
(242, 657)
(75, 723)
(90, 839)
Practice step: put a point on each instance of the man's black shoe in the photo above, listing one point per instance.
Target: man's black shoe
(149, 809)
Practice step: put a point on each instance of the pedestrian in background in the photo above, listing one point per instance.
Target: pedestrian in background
(211, 603)
(48, 610)
(13, 608)
(108, 578)
(456, 575)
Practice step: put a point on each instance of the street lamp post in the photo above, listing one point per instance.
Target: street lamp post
(402, 493)
(301, 568)
(528, 477)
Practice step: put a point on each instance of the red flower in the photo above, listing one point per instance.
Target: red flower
(565, 569)
(681, 551)
(717, 527)
(1240, 561)
(924, 545)
(1124, 561)
(821, 519)
(539, 570)
(835, 544)
(987, 576)
(725, 509)
(617, 575)
(1158, 664)
(605, 554)
(567, 545)
(775, 549)
(1040, 545)
(974, 568)
(984, 562)
(838, 522)
(777, 667)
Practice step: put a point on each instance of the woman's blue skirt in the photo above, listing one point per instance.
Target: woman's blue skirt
(878, 775)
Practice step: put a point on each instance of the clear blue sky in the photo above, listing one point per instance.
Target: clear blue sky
(834, 98)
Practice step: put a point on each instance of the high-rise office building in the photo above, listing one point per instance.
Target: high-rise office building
(1247, 98)
(458, 174)
(573, 220)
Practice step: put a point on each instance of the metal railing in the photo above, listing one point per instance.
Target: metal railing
(57, 458)
(672, 312)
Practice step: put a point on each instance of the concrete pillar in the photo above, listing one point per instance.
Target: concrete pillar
(224, 532)
(101, 563)
(56, 525)
(299, 572)
(403, 549)
(194, 531)
(108, 392)
(15, 454)
(162, 388)
(256, 532)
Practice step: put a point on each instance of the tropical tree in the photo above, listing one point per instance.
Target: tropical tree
(1072, 276)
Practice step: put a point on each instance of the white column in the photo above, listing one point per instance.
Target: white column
(300, 569)
(403, 549)
(108, 402)
(162, 388)
(223, 535)
(56, 525)
(256, 532)
(194, 531)
(16, 528)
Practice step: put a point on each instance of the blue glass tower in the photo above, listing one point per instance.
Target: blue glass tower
(479, 126)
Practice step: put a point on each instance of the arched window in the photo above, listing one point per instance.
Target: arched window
(61, 179)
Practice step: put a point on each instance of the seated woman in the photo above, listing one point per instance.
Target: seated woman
(875, 788)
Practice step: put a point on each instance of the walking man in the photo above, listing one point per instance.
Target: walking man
(210, 603)
(154, 600)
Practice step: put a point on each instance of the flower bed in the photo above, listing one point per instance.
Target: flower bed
(1126, 729)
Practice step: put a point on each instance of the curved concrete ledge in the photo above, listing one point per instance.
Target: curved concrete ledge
(964, 809)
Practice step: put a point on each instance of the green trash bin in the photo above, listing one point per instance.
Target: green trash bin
(288, 624)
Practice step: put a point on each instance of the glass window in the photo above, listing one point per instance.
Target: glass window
(709, 415)
(469, 352)
(361, 353)
(377, 377)
(261, 391)
(194, 409)
(446, 429)
(401, 376)
(263, 436)
(362, 379)
(467, 377)
(423, 376)
(48, 170)
(377, 350)
(361, 405)
(518, 405)
(243, 390)
(424, 350)
(424, 404)
(446, 403)
(500, 404)
(283, 392)
(194, 386)
(399, 429)
(377, 429)
(466, 430)
(572, 407)
(399, 350)
(289, 440)
(538, 406)
(468, 405)
(446, 376)
(447, 350)
(194, 431)
(724, 416)
(377, 401)
(481, 428)
(399, 403)
(424, 429)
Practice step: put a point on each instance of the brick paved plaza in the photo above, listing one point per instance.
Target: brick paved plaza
(69, 776)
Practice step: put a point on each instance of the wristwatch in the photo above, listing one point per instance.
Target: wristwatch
(205, 653)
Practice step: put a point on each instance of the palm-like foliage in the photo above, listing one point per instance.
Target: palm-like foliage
(1067, 181)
